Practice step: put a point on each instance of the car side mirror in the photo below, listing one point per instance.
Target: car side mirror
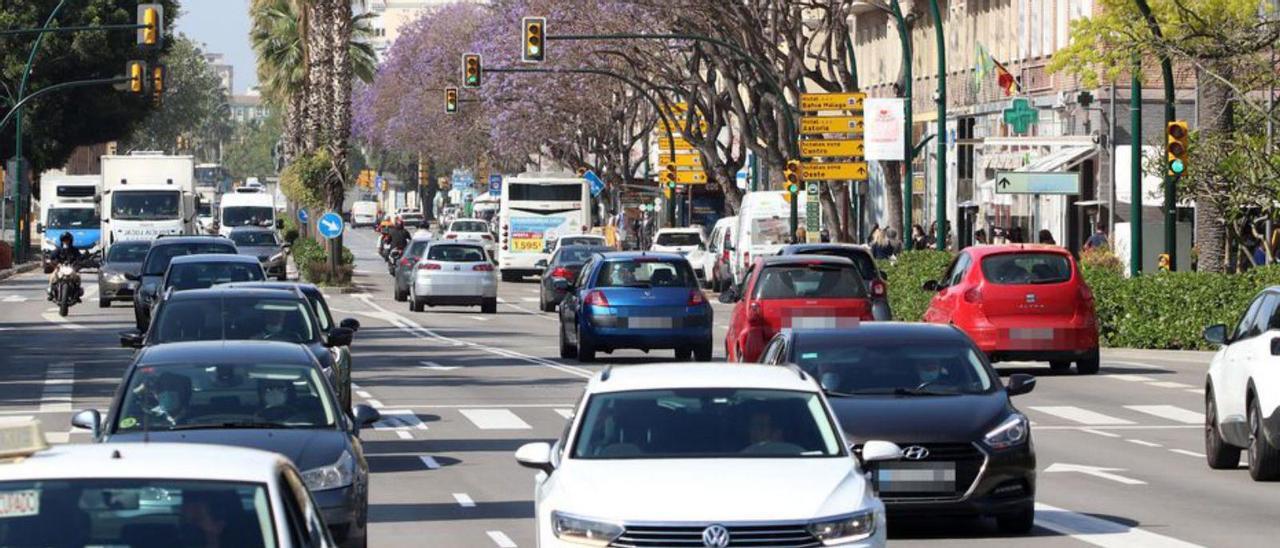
(931, 285)
(350, 323)
(1216, 334)
(1275, 346)
(1020, 383)
(132, 339)
(535, 455)
(542, 263)
(877, 451)
(365, 415)
(729, 296)
(339, 336)
(89, 419)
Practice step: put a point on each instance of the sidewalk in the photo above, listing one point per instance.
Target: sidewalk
(19, 269)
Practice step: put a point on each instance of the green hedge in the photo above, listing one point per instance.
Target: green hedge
(1168, 310)
(310, 257)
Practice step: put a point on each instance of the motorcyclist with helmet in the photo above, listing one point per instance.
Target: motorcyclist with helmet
(67, 254)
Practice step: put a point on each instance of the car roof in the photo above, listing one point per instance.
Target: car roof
(227, 290)
(694, 375)
(272, 284)
(251, 229)
(801, 249)
(212, 258)
(237, 352)
(178, 240)
(726, 221)
(463, 219)
(915, 333)
(595, 236)
(465, 242)
(688, 229)
(170, 461)
(993, 249)
(773, 260)
(628, 255)
(421, 236)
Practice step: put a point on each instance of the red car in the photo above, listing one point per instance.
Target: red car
(800, 291)
(1020, 302)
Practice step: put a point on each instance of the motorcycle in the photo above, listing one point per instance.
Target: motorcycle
(393, 257)
(65, 288)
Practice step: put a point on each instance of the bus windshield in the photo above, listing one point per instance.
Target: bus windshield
(73, 217)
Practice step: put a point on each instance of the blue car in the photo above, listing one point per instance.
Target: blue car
(634, 300)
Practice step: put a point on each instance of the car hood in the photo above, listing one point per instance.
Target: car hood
(306, 448)
(710, 490)
(121, 268)
(258, 250)
(920, 419)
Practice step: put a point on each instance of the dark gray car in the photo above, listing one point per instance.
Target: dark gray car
(404, 267)
(263, 244)
(162, 251)
(122, 261)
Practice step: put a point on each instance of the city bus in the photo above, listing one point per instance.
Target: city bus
(536, 208)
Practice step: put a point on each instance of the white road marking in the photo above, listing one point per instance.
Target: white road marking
(1188, 453)
(403, 435)
(495, 419)
(1170, 384)
(482, 405)
(436, 367)
(479, 318)
(60, 321)
(1101, 532)
(1175, 414)
(1102, 433)
(530, 299)
(375, 403)
(399, 420)
(58, 381)
(501, 539)
(1123, 427)
(1135, 365)
(1095, 471)
(566, 413)
(14, 299)
(1143, 443)
(1082, 416)
(364, 394)
(1199, 391)
(429, 462)
(464, 500)
(1131, 378)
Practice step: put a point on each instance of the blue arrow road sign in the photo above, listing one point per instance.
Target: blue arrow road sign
(302, 215)
(377, 183)
(495, 185)
(597, 185)
(330, 225)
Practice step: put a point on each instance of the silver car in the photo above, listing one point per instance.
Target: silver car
(122, 261)
(454, 273)
(262, 243)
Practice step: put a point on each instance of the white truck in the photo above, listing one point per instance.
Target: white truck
(248, 205)
(764, 226)
(69, 204)
(148, 194)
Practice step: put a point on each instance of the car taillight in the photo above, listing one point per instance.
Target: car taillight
(696, 298)
(1086, 294)
(561, 272)
(724, 256)
(483, 268)
(429, 266)
(878, 288)
(755, 316)
(504, 247)
(595, 298)
(973, 296)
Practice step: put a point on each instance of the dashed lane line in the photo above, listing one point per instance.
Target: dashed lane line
(1143, 443)
(566, 413)
(1080, 415)
(1175, 414)
(58, 381)
(464, 500)
(1102, 433)
(429, 462)
(1188, 453)
(501, 539)
(495, 419)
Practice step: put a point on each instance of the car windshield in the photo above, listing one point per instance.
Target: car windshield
(73, 217)
(1026, 268)
(254, 238)
(455, 253)
(232, 318)
(646, 273)
(770, 231)
(706, 423)
(576, 255)
(134, 512)
(810, 281)
(128, 251)
(866, 265)
(159, 257)
(204, 209)
(680, 239)
(247, 216)
(188, 396)
(864, 367)
(581, 240)
(469, 226)
(203, 274)
(145, 205)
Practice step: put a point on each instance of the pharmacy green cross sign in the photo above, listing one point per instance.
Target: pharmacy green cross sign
(1021, 115)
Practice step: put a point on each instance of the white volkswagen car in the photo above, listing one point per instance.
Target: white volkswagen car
(704, 455)
(454, 273)
(471, 230)
(1242, 391)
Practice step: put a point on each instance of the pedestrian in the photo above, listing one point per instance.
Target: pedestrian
(1046, 237)
(895, 245)
(1015, 235)
(980, 237)
(919, 240)
(871, 236)
(800, 236)
(881, 249)
(1098, 240)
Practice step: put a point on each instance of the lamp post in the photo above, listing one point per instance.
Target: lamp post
(941, 184)
(908, 156)
(1170, 181)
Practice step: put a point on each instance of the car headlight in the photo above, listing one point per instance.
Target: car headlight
(584, 531)
(850, 528)
(1013, 431)
(333, 476)
(116, 277)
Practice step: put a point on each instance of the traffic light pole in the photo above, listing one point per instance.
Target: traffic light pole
(1170, 181)
(14, 110)
(941, 198)
(908, 151)
(1135, 172)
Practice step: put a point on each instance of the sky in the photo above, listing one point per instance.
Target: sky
(223, 27)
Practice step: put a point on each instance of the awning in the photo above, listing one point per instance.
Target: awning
(1061, 160)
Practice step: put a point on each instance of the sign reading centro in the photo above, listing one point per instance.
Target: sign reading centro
(812, 148)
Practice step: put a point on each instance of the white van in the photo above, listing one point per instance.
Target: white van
(716, 261)
(764, 226)
(247, 206)
(364, 213)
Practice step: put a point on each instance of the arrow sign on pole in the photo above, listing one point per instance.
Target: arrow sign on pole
(1095, 471)
(330, 225)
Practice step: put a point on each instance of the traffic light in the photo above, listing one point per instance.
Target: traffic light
(671, 174)
(136, 72)
(793, 176)
(451, 100)
(535, 40)
(151, 18)
(157, 82)
(1176, 148)
(471, 70)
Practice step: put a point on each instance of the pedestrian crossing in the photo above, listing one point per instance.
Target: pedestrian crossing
(1118, 416)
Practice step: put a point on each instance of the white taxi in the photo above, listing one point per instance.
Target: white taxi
(454, 273)
(704, 456)
(150, 495)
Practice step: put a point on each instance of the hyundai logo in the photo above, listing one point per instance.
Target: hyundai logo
(915, 452)
(715, 536)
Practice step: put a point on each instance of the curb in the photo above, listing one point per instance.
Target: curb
(20, 269)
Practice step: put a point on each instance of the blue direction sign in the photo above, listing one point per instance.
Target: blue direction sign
(597, 185)
(495, 185)
(302, 215)
(330, 225)
(377, 183)
(1030, 182)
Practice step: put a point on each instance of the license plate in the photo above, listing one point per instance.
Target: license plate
(649, 323)
(1024, 334)
(916, 477)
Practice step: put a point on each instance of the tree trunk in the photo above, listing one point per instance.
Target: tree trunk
(318, 62)
(1214, 114)
(893, 197)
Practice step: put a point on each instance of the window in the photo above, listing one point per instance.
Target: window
(713, 244)
(866, 265)
(581, 240)
(248, 216)
(415, 250)
(771, 231)
(871, 368)
(958, 270)
(254, 238)
(321, 311)
(128, 251)
(706, 423)
(645, 273)
(77, 217)
(200, 275)
(145, 205)
(1260, 319)
(232, 318)
(810, 281)
(160, 256)
(1026, 268)
(469, 226)
(679, 239)
(773, 353)
(574, 254)
(530, 192)
(456, 253)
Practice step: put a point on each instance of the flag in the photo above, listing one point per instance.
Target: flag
(983, 67)
(1005, 79)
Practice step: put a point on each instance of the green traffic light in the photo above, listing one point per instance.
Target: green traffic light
(1177, 167)
(792, 188)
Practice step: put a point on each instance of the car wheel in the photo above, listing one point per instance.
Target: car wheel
(586, 353)
(567, 351)
(489, 306)
(1059, 365)
(415, 305)
(1264, 458)
(545, 306)
(1090, 364)
(683, 353)
(400, 296)
(104, 302)
(1017, 523)
(1219, 454)
(702, 352)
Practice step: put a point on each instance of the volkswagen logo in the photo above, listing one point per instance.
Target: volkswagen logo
(915, 452)
(715, 536)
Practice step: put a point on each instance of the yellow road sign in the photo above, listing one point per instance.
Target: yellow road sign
(691, 177)
(678, 108)
(682, 160)
(679, 124)
(665, 144)
(842, 171)
(813, 102)
(818, 125)
(831, 148)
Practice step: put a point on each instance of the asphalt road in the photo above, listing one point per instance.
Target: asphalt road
(1120, 453)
